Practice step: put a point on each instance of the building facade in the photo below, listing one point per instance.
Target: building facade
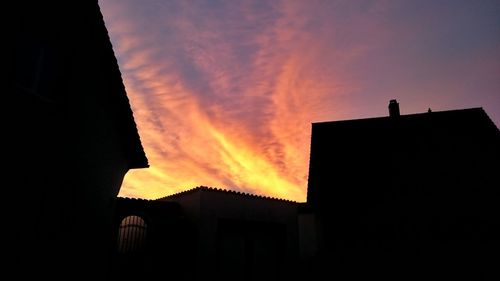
(407, 196)
(403, 197)
(71, 138)
(208, 234)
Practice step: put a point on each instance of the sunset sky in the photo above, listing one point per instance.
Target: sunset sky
(224, 92)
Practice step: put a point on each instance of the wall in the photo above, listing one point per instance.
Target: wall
(242, 236)
(65, 132)
(412, 196)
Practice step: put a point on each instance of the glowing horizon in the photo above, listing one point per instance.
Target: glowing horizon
(224, 93)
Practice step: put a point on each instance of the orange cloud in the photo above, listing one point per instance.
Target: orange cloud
(224, 92)
(210, 114)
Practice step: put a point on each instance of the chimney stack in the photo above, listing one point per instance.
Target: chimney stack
(393, 108)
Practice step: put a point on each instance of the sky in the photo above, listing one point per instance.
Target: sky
(224, 92)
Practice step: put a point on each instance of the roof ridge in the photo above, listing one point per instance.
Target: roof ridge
(489, 119)
(132, 198)
(401, 116)
(224, 190)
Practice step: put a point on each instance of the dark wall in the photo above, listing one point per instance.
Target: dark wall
(407, 196)
(241, 236)
(168, 247)
(68, 154)
(251, 250)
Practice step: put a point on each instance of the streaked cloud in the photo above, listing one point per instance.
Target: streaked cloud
(224, 92)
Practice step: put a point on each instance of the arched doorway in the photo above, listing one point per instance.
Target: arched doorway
(132, 235)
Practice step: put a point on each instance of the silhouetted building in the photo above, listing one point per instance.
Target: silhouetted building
(153, 239)
(207, 234)
(71, 139)
(406, 196)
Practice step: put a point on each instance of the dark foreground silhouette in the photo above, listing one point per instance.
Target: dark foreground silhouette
(70, 137)
(407, 197)
(403, 197)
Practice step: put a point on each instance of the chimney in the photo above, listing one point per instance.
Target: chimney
(393, 108)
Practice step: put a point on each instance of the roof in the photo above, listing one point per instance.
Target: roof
(424, 149)
(220, 190)
(133, 199)
(128, 128)
(81, 29)
(462, 116)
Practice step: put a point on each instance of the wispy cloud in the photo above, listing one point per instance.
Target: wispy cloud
(224, 91)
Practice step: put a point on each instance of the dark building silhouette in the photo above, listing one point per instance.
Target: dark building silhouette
(208, 234)
(70, 138)
(403, 197)
(407, 197)
(153, 240)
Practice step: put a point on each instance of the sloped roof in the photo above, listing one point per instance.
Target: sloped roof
(220, 190)
(77, 27)
(462, 117)
(134, 149)
(419, 148)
